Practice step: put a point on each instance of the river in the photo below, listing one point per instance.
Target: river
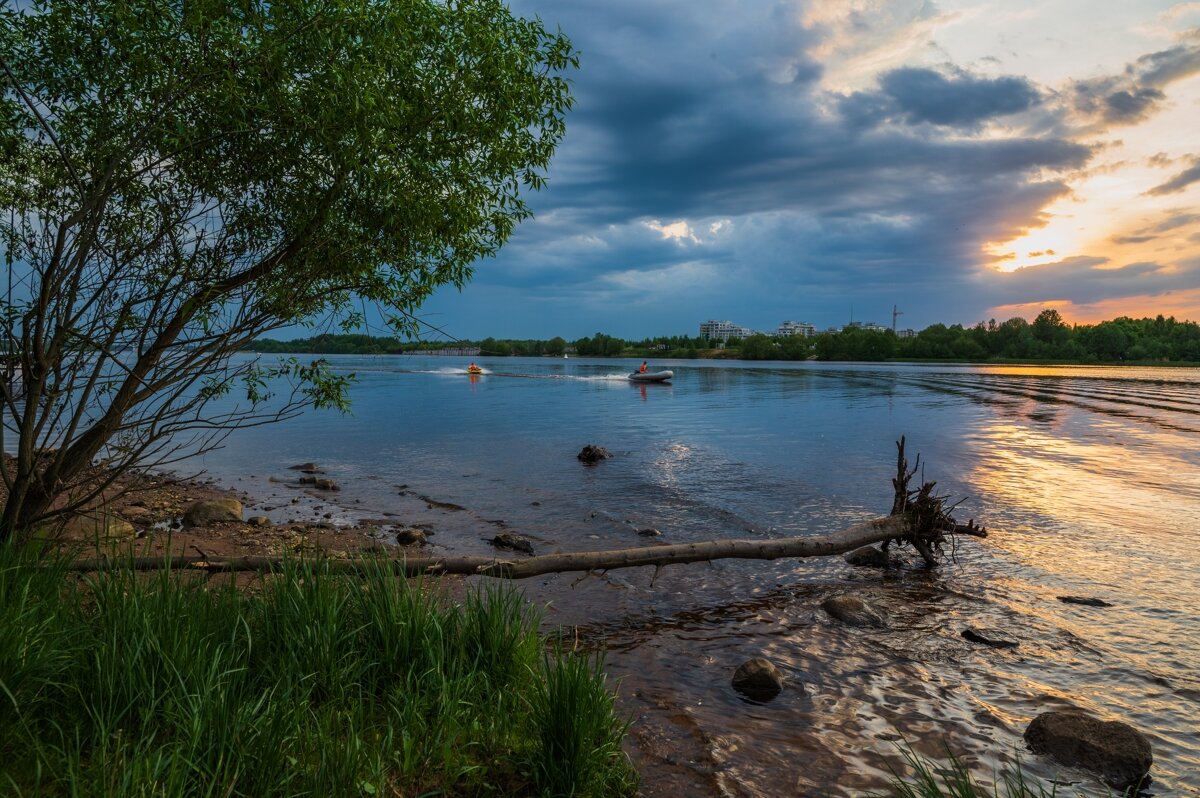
(1088, 480)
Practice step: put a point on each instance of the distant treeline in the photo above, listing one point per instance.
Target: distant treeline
(329, 344)
(599, 345)
(1048, 337)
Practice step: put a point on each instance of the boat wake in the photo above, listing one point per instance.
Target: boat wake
(622, 377)
(452, 371)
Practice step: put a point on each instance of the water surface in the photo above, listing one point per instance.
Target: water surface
(1088, 478)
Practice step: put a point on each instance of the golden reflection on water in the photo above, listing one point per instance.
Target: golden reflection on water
(1117, 373)
(1078, 481)
(1092, 485)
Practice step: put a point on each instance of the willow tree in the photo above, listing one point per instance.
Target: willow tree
(179, 178)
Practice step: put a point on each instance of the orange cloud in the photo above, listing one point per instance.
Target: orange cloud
(1180, 304)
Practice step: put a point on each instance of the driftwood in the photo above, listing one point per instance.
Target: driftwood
(874, 531)
(918, 518)
(931, 519)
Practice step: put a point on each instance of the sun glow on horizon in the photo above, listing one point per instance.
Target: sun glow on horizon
(1113, 213)
(1061, 237)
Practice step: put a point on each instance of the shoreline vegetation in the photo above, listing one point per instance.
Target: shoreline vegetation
(1047, 340)
(307, 683)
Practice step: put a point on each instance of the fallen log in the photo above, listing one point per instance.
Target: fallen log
(874, 531)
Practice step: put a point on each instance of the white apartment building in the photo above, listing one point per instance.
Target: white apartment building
(789, 328)
(723, 331)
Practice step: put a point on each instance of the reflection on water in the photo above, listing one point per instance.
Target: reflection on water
(1088, 477)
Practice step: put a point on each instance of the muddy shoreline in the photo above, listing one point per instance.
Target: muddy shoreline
(154, 505)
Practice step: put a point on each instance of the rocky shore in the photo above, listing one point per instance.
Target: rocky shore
(151, 514)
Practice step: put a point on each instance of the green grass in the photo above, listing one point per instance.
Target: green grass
(955, 780)
(315, 685)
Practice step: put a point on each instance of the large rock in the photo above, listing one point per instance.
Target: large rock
(411, 536)
(320, 483)
(211, 511)
(590, 454)
(988, 637)
(1116, 752)
(758, 679)
(854, 611)
(86, 526)
(871, 556)
(1087, 601)
(515, 542)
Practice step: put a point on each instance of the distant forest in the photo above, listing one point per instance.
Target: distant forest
(1047, 338)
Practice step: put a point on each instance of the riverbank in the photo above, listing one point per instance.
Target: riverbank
(299, 682)
(733, 352)
(156, 514)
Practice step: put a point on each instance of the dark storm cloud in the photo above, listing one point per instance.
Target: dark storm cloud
(1180, 181)
(915, 95)
(755, 146)
(1136, 93)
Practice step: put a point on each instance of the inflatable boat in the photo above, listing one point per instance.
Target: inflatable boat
(651, 376)
(474, 370)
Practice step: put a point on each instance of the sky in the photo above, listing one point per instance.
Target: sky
(827, 161)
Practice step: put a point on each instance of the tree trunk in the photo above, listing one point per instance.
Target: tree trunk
(874, 531)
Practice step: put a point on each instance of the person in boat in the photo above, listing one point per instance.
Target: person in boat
(472, 367)
(642, 368)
